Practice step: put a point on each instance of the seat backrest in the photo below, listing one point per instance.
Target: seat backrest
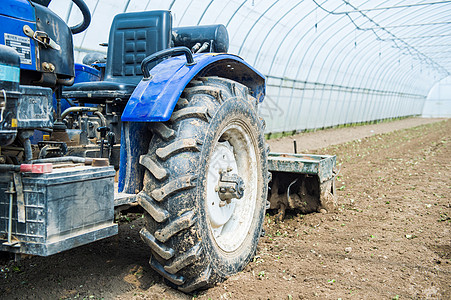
(133, 36)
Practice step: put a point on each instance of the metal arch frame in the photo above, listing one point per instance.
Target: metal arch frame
(184, 12)
(344, 61)
(288, 33)
(86, 31)
(358, 66)
(253, 25)
(281, 46)
(369, 114)
(410, 73)
(283, 39)
(219, 15)
(147, 5)
(368, 78)
(374, 22)
(398, 6)
(420, 54)
(236, 11)
(407, 28)
(204, 12)
(171, 5)
(352, 72)
(233, 15)
(272, 28)
(383, 78)
(322, 59)
(239, 8)
(311, 66)
(301, 62)
(338, 56)
(397, 93)
(393, 104)
(290, 57)
(402, 84)
(376, 80)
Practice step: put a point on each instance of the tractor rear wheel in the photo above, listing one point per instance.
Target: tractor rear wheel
(205, 185)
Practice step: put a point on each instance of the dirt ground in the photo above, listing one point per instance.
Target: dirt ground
(389, 239)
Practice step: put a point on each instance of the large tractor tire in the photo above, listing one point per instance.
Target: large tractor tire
(205, 185)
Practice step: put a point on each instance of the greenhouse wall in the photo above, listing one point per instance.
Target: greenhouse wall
(327, 62)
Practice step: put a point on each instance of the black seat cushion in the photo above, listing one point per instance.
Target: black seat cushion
(133, 36)
(99, 90)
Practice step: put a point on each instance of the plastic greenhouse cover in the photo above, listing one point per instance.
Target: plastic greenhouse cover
(327, 62)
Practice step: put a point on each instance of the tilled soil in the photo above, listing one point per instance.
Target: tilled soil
(389, 238)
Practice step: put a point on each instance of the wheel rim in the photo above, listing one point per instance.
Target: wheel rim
(231, 223)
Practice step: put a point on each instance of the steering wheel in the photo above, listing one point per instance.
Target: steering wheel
(86, 17)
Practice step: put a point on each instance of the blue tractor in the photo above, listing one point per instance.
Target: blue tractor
(167, 122)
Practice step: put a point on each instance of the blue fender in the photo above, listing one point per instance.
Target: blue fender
(154, 100)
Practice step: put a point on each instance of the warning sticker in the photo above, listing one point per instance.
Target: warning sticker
(22, 46)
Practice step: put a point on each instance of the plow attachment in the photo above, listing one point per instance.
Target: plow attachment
(302, 182)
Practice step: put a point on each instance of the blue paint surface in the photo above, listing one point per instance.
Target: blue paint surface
(154, 100)
(18, 9)
(83, 73)
(13, 26)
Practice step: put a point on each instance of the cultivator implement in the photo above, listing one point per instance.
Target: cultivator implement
(303, 182)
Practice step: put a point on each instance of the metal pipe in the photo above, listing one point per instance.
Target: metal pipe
(102, 118)
(77, 109)
(9, 168)
(203, 48)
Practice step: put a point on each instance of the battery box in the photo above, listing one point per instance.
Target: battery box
(56, 211)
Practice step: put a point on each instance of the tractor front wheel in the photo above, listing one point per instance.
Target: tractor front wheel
(205, 185)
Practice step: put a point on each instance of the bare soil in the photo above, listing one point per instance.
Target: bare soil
(389, 239)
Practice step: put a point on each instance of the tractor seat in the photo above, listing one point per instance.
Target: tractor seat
(133, 37)
(99, 90)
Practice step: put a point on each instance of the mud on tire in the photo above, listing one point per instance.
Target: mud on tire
(195, 242)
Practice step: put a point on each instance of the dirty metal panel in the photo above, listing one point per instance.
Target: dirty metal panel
(64, 209)
(124, 199)
(321, 165)
(34, 108)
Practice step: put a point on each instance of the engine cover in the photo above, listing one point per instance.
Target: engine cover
(28, 28)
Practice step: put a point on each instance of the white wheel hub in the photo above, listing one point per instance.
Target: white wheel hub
(221, 159)
(230, 221)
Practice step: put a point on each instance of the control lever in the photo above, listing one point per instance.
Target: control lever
(103, 131)
(111, 138)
